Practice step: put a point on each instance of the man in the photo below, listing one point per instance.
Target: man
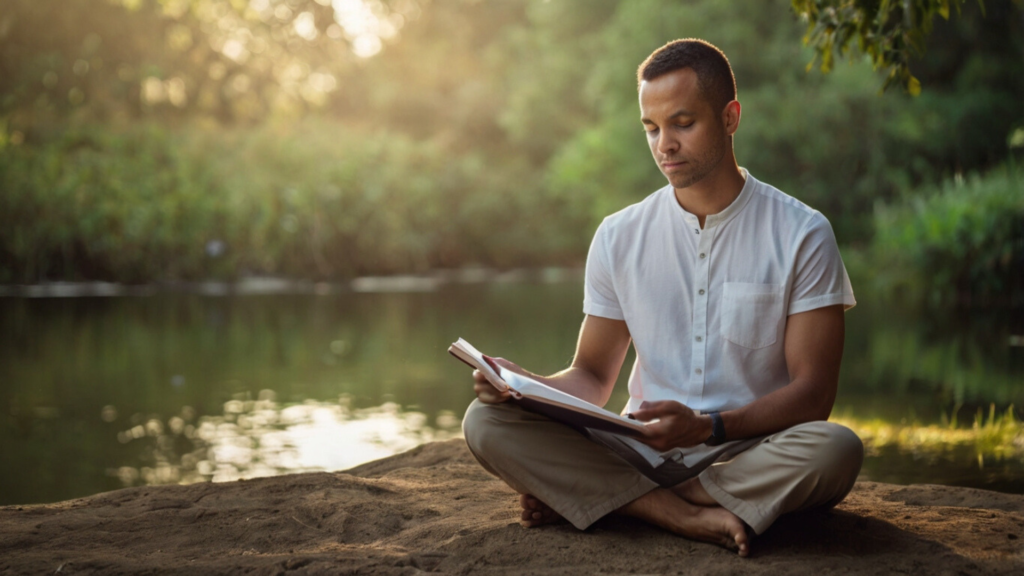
(733, 296)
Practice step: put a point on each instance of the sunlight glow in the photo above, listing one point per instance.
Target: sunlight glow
(261, 438)
(365, 25)
(305, 26)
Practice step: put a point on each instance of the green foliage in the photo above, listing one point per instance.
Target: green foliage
(518, 116)
(962, 242)
(828, 140)
(890, 32)
(309, 200)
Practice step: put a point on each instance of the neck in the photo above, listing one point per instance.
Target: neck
(714, 193)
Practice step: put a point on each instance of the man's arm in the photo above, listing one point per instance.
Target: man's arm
(600, 352)
(814, 350)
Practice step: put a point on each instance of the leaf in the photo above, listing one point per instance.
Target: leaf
(944, 9)
(914, 86)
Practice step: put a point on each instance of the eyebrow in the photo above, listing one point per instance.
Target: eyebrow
(682, 112)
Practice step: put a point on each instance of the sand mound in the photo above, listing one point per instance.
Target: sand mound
(433, 509)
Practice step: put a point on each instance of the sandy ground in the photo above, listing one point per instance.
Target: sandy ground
(433, 509)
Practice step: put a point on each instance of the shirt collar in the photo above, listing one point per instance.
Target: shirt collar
(725, 215)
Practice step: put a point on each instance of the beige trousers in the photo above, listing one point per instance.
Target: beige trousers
(585, 476)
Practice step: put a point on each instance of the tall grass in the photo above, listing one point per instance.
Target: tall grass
(995, 436)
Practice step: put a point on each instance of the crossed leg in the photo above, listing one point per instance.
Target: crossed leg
(687, 510)
(536, 513)
(561, 473)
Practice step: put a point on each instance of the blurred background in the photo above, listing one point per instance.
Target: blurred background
(237, 236)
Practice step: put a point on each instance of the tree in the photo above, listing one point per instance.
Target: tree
(232, 60)
(891, 32)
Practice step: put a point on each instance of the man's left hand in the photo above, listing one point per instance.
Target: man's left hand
(678, 426)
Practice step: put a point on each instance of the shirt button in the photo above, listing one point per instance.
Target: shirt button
(701, 255)
(698, 371)
(701, 292)
(699, 339)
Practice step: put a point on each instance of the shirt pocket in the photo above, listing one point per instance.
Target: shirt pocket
(751, 313)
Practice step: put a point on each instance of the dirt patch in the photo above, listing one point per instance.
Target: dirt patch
(434, 509)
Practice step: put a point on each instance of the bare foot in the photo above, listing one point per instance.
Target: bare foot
(713, 524)
(536, 513)
(693, 492)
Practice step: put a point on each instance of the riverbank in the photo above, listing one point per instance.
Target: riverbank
(433, 509)
(270, 285)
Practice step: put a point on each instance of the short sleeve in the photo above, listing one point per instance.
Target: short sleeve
(599, 298)
(820, 276)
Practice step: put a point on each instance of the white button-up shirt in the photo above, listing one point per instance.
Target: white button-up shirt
(707, 308)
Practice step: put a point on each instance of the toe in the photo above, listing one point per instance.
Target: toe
(742, 545)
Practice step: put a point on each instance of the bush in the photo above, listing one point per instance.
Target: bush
(960, 243)
(312, 200)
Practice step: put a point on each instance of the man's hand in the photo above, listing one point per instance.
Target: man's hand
(485, 391)
(678, 426)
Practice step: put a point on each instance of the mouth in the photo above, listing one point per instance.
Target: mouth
(670, 166)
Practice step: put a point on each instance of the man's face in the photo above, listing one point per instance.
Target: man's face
(687, 136)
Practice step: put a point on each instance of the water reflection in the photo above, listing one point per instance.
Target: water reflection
(76, 372)
(257, 438)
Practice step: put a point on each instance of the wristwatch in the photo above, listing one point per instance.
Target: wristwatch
(717, 430)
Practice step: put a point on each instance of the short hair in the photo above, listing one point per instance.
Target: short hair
(714, 74)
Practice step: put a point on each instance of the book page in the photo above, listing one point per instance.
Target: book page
(529, 386)
(520, 387)
(469, 354)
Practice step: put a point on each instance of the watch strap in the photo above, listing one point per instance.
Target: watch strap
(717, 430)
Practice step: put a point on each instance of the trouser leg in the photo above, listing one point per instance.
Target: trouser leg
(580, 479)
(809, 465)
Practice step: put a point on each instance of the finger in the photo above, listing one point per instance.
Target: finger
(488, 395)
(661, 405)
(641, 415)
(658, 409)
(486, 387)
(657, 432)
(648, 414)
(508, 365)
(491, 396)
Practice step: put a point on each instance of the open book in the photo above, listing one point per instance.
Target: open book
(543, 399)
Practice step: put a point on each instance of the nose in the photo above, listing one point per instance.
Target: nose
(666, 144)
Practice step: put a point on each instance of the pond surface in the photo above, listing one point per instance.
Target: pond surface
(101, 393)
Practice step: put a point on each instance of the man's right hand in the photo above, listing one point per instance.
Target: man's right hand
(485, 391)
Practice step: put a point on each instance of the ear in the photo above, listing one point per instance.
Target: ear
(731, 117)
